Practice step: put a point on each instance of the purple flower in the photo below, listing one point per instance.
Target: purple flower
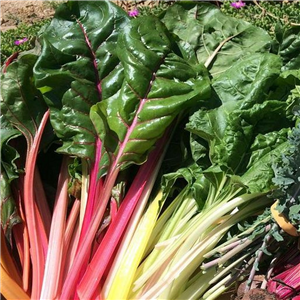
(133, 13)
(238, 4)
(19, 42)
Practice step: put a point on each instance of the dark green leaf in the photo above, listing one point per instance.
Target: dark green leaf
(79, 67)
(158, 86)
(22, 104)
(202, 27)
(9, 214)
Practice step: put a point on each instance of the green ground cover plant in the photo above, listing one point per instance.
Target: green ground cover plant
(151, 164)
(9, 37)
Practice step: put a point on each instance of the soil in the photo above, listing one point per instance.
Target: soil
(28, 12)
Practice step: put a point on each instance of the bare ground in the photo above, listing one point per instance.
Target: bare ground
(16, 12)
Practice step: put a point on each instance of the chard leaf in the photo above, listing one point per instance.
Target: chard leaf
(9, 214)
(79, 67)
(22, 104)
(202, 27)
(264, 143)
(9, 171)
(288, 39)
(230, 129)
(248, 80)
(259, 176)
(8, 153)
(287, 178)
(158, 86)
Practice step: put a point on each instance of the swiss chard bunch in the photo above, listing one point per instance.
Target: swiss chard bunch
(129, 153)
(109, 91)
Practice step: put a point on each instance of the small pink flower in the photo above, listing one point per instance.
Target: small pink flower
(19, 42)
(238, 4)
(133, 13)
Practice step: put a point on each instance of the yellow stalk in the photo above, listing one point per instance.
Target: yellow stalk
(124, 277)
(7, 263)
(9, 288)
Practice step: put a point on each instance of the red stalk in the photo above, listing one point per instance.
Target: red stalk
(105, 251)
(37, 256)
(87, 240)
(71, 223)
(285, 284)
(84, 251)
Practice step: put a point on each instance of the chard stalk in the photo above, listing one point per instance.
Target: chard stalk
(123, 279)
(142, 184)
(7, 263)
(9, 288)
(21, 237)
(94, 186)
(54, 263)
(195, 230)
(85, 247)
(31, 212)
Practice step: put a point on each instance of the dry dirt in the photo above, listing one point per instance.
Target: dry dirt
(15, 12)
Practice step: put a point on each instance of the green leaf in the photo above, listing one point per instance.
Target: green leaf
(202, 27)
(259, 176)
(9, 172)
(158, 86)
(79, 67)
(22, 104)
(248, 80)
(8, 153)
(9, 214)
(264, 143)
(288, 39)
(231, 128)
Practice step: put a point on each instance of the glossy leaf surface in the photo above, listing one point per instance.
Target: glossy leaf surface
(79, 67)
(158, 86)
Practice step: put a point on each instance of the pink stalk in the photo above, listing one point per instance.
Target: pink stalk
(54, 263)
(85, 249)
(41, 230)
(107, 248)
(113, 209)
(95, 271)
(69, 238)
(37, 256)
(71, 252)
(87, 240)
(21, 238)
(42, 202)
(94, 185)
(286, 284)
(71, 223)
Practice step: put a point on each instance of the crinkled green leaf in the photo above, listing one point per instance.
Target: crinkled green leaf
(288, 39)
(202, 27)
(158, 86)
(231, 128)
(22, 104)
(264, 143)
(287, 178)
(230, 131)
(8, 153)
(248, 80)
(9, 214)
(79, 67)
(259, 176)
